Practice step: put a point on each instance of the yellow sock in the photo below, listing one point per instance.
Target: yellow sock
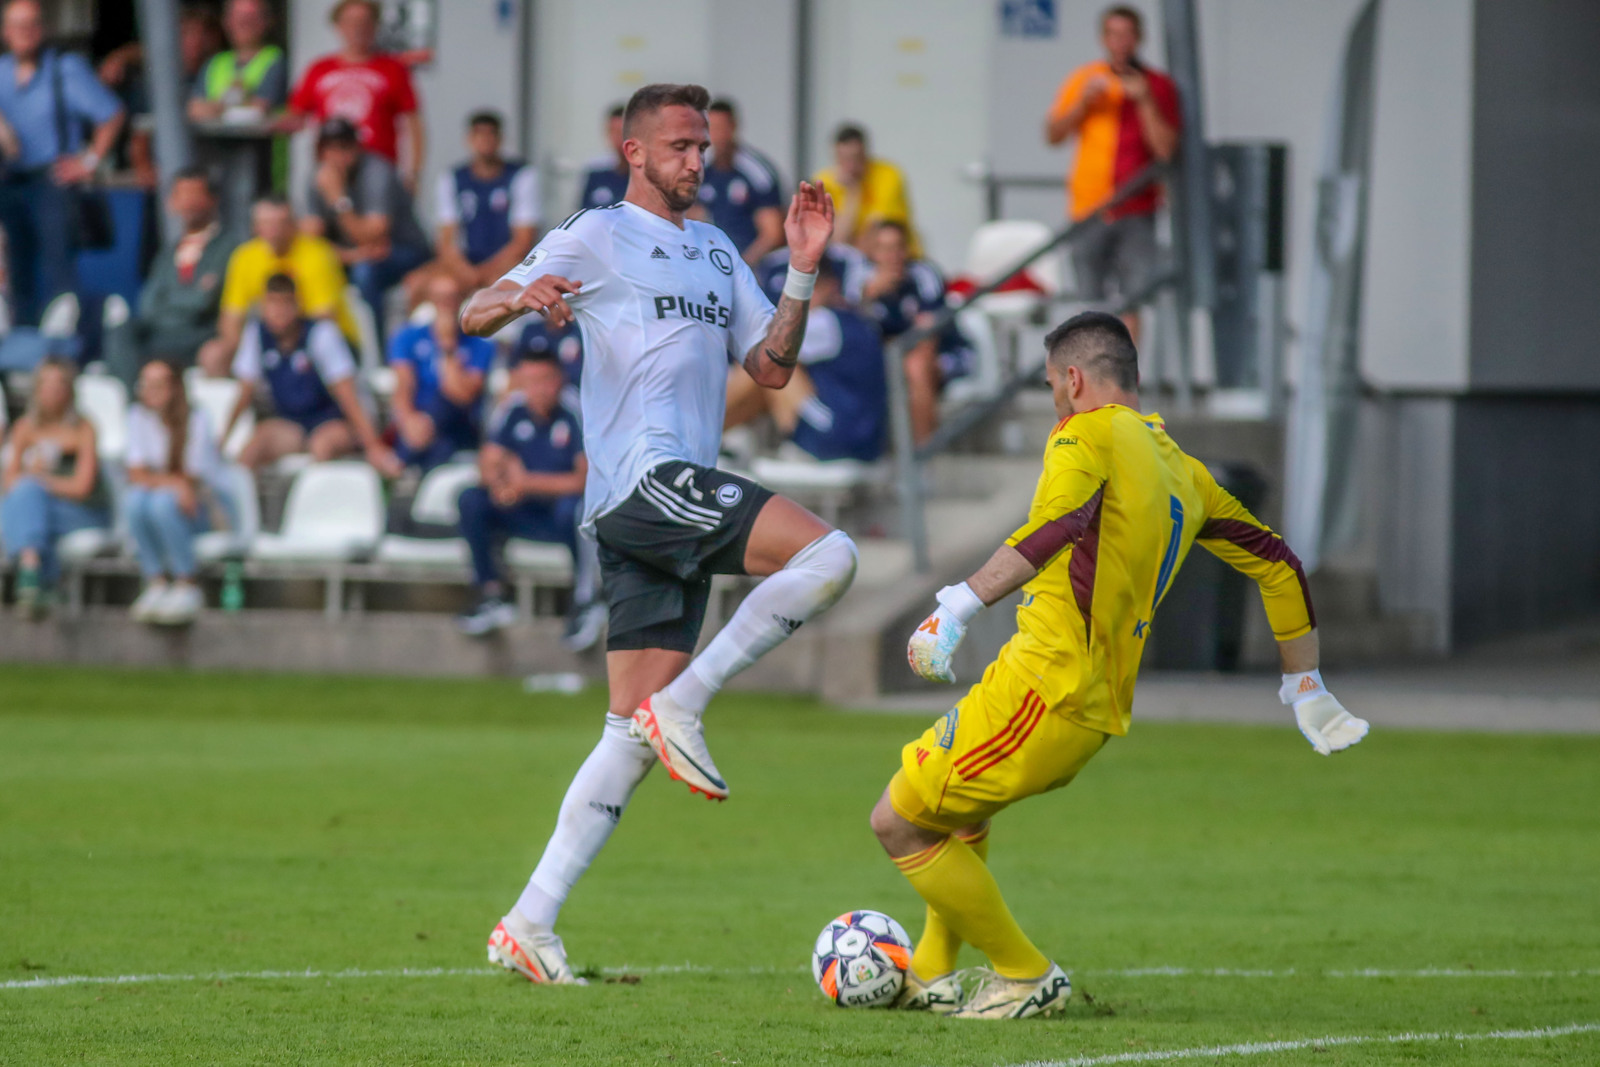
(958, 885)
(938, 946)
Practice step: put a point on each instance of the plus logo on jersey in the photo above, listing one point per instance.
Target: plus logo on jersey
(713, 312)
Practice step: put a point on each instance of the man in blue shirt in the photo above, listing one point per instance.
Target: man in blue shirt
(438, 386)
(538, 338)
(741, 192)
(899, 293)
(837, 404)
(532, 470)
(47, 97)
(486, 211)
(606, 179)
(311, 375)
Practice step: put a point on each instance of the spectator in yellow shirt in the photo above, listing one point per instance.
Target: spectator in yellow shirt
(865, 191)
(277, 248)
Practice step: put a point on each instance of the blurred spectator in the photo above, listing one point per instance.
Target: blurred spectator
(1125, 116)
(123, 72)
(358, 202)
(52, 481)
(278, 247)
(174, 469)
(372, 90)
(606, 179)
(741, 191)
(901, 293)
(252, 73)
(566, 344)
(865, 190)
(47, 97)
(180, 300)
(532, 468)
(311, 375)
(438, 386)
(836, 406)
(487, 212)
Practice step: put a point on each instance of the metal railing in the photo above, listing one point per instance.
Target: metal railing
(909, 457)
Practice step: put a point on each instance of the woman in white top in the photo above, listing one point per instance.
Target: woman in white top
(173, 466)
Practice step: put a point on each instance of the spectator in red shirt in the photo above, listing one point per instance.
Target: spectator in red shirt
(371, 89)
(1125, 115)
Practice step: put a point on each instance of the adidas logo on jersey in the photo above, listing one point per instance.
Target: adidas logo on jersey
(658, 254)
(789, 625)
(610, 811)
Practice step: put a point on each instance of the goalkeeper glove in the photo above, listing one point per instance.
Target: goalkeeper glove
(936, 640)
(1324, 721)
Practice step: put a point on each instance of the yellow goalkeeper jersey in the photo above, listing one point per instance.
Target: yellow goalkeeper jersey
(1117, 508)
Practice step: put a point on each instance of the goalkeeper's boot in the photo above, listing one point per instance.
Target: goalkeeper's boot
(998, 997)
(534, 952)
(680, 743)
(941, 995)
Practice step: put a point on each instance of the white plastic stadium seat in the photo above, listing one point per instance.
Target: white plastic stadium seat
(216, 397)
(827, 485)
(60, 318)
(996, 246)
(103, 401)
(218, 545)
(548, 563)
(435, 504)
(365, 316)
(334, 514)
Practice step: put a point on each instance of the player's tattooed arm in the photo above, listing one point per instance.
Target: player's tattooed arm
(807, 228)
(771, 363)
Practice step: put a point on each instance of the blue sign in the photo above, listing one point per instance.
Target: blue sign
(1027, 18)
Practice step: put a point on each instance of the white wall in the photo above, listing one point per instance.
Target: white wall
(1419, 227)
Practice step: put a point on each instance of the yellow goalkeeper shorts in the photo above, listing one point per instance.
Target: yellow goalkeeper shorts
(999, 745)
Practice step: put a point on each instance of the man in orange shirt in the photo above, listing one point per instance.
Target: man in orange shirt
(1125, 116)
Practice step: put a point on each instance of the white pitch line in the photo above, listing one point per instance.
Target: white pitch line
(57, 981)
(1258, 1048)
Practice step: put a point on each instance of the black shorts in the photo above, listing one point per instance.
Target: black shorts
(660, 547)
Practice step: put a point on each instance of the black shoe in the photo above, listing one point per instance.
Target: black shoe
(490, 614)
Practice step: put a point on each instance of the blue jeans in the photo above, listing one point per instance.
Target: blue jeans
(39, 243)
(32, 517)
(485, 523)
(163, 535)
(375, 277)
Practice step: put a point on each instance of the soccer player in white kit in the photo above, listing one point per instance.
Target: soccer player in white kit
(663, 304)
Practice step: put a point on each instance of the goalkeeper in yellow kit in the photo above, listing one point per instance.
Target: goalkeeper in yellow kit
(1117, 509)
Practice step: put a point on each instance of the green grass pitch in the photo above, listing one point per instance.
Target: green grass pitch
(180, 825)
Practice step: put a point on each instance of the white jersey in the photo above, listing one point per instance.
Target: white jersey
(662, 310)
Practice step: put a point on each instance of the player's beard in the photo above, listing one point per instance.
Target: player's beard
(677, 199)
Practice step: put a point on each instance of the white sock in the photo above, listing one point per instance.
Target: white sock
(593, 805)
(809, 584)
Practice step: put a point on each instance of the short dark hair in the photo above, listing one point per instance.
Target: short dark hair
(195, 173)
(375, 8)
(849, 132)
(1123, 11)
(617, 111)
(486, 117)
(519, 356)
(281, 283)
(1097, 344)
(897, 225)
(272, 200)
(652, 98)
(722, 105)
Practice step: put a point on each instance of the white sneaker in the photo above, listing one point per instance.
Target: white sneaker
(1008, 998)
(180, 606)
(534, 952)
(143, 609)
(942, 995)
(680, 743)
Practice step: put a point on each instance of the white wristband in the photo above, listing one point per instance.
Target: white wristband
(961, 600)
(1303, 686)
(798, 285)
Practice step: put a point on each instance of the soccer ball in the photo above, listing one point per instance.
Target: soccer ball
(860, 960)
